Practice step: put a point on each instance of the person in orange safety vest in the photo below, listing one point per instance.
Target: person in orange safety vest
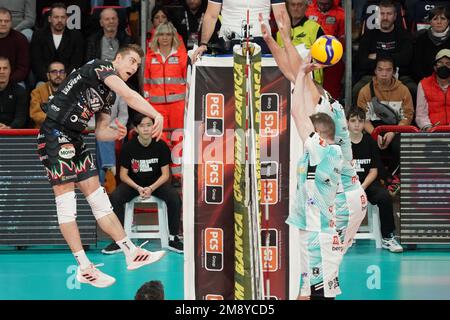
(165, 81)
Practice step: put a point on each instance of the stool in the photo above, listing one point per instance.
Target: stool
(372, 230)
(159, 231)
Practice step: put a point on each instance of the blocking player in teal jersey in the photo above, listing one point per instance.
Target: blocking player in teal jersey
(319, 178)
(351, 204)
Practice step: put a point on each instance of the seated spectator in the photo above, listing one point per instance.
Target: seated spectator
(105, 43)
(78, 11)
(433, 94)
(369, 16)
(152, 290)
(105, 150)
(55, 75)
(430, 42)
(367, 159)
(23, 15)
(382, 96)
(303, 31)
(56, 43)
(418, 12)
(388, 40)
(14, 46)
(189, 24)
(144, 171)
(331, 18)
(13, 100)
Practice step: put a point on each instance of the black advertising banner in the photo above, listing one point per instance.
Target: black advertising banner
(211, 257)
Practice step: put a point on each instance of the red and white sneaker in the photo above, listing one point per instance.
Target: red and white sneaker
(142, 257)
(94, 277)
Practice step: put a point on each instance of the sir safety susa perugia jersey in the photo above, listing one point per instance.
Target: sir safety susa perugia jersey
(81, 95)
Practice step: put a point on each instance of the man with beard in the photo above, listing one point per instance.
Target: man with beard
(389, 40)
(56, 43)
(55, 75)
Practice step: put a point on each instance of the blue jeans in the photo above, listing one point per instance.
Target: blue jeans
(106, 157)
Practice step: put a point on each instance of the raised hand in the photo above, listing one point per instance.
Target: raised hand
(158, 125)
(264, 30)
(198, 53)
(121, 129)
(284, 26)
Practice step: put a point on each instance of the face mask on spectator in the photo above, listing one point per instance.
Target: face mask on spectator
(443, 72)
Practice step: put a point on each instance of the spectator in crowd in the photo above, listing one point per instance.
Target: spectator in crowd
(144, 171)
(56, 42)
(23, 15)
(430, 42)
(368, 14)
(329, 15)
(331, 18)
(303, 31)
(165, 82)
(13, 100)
(160, 15)
(433, 94)
(388, 40)
(367, 159)
(40, 95)
(165, 75)
(232, 30)
(417, 12)
(14, 46)
(151, 290)
(105, 43)
(384, 95)
(78, 10)
(189, 24)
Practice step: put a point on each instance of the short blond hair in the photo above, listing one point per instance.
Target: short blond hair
(130, 48)
(166, 27)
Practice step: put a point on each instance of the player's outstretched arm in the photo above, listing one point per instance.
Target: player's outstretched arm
(302, 106)
(284, 27)
(137, 102)
(209, 23)
(278, 53)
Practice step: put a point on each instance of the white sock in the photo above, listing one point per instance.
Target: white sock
(82, 259)
(127, 246)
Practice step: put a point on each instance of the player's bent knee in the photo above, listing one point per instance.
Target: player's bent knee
(66, 207)
(100, 204)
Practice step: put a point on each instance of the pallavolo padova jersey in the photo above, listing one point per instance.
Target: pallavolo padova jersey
(234, 15)
(336, 111)
(318, 181)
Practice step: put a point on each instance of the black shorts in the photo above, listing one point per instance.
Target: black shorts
(64, 156)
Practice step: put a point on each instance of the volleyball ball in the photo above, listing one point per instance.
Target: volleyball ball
(327, 50)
